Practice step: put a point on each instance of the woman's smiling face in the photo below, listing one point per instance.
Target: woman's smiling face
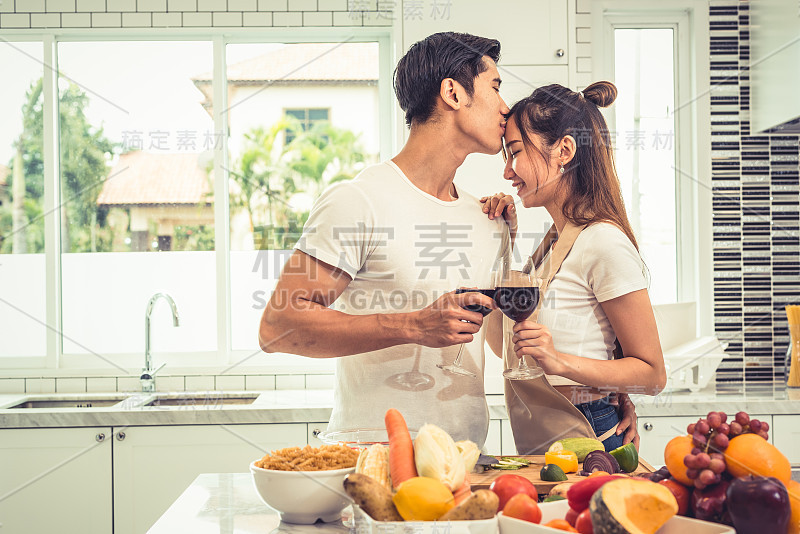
(527, 170)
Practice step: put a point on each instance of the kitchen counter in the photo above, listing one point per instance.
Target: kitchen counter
(300, 406)
(228, 503)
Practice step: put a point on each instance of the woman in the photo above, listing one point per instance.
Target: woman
(560, 157)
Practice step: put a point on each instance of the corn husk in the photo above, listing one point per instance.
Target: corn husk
(436, 456)
(470, 453)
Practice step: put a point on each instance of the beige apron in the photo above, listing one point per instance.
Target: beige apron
(539, 414)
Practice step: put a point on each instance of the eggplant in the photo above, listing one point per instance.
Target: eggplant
(600, 461)
(758, 505)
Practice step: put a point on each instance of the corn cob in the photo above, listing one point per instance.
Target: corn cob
(374, 462)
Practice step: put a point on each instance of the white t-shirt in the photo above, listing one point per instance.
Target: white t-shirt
(603, 264)
(403, 248)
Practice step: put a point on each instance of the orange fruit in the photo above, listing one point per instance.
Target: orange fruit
(793, 488)
(750, 454)
(677, 448)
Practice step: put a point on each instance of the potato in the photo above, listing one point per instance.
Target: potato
(373, 498)
(480, 505)
(560, 489)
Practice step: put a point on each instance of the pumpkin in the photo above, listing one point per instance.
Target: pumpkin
(631, 506)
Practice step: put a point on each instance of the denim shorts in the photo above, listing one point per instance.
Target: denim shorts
(602, 416)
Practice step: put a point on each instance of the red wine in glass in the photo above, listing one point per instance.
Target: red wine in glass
(456, 367)
(483, 310)
(517, 303)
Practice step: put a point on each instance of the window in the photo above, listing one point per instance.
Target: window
(22, 202)
(306, 119)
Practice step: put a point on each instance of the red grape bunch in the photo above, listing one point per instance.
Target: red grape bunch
(710, 436)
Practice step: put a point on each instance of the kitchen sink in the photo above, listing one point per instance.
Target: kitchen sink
(212, 398)
(73, 402)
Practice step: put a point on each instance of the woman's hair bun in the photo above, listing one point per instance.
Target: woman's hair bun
(601, 94)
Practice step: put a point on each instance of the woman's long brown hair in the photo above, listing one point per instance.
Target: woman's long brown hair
(552, 112)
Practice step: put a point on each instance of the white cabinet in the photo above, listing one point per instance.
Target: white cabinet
(533, 32)
(785, 435)
(56, 480)
(154, 465)
(656, 432)
(493, 443)
(507, 446)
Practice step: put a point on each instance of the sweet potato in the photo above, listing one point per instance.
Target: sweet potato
(561, 489)
(480, 505)
(371, 496)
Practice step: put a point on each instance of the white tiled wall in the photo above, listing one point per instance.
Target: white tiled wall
(21, 14)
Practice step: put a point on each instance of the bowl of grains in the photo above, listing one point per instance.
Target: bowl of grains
(304, 484)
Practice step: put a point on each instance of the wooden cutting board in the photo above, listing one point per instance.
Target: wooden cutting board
(483, 480)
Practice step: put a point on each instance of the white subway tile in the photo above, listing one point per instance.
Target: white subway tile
(227, 19)
(181, 5)
(60, 6)
(583, 35)
(30, 6)
(121, 5)
(40, 385)
(91, 5)
(583, 6)
(259, 382)
(584, 64)
(128, 383)
(583, 50)
(287, 19)
(197, 19)
(101, 384)
(229, 383)
(170, 383)
(242, 5)
(199, 383)
(6, 6)
(151, 5)
(106, 20)
(347, 18)
(46, 20)
(12, 385)
(137, 20)
(76, 20)
(257, 19)
(70, 385)
(272, 5)
(15, 20)
(302, 5)
(321, 18)
(290, 382)
(164, 20)
(332, 5)
(583, 20)
(319, 381)
(212, 5)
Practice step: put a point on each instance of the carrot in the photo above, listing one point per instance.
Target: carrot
(464, 491)
(401, 450)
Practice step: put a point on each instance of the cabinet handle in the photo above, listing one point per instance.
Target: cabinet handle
(316, 432)
(560, 52)
(100, 437)
(648, 426)
(120, 436)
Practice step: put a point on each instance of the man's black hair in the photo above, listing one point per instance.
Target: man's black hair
(419, 74)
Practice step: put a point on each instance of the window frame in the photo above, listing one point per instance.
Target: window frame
(307, 122)
(693, 201)
(223, 358)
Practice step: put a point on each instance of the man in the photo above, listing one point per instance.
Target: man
(390, 247)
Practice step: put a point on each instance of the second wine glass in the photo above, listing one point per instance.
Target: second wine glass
(517, 296)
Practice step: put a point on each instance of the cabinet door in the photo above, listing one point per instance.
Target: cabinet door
(531, 32)
(154, 465)
(785, 434)
(314, 430)
(56, 480)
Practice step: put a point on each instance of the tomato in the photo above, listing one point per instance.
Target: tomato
(681, 493)
(506, 486)
(560, 524)
(571, 516)
(522, 506)
(584, 523)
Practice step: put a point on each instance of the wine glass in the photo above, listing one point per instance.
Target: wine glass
(517, 295)
(483, 276)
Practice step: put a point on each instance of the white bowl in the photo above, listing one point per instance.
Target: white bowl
(303, 496)
(558, 509)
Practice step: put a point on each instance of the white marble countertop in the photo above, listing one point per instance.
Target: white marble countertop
(227, 503)
(302, 406)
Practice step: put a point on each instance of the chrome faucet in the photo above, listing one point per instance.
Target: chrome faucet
(148, 378)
